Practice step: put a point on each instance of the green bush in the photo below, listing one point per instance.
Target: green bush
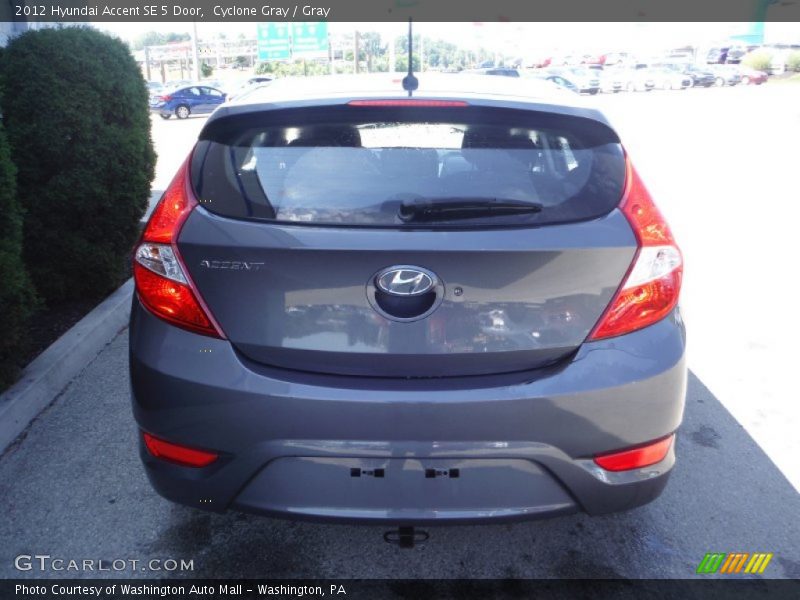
(759, 60)
(793, 61)
(206, 70)
(17, 299)
(75, 107)
(297, 68)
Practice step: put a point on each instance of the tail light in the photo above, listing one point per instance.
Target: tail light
(652, 285)
(162, 282)
(636, 458)
(165, 98)
(175, 453)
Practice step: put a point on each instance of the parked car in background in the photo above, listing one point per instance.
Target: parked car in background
(751, 76)
(214, 83)
(736, 53)
(501, 71)
(612, 81)
(595, 59)
(615, 58)
(259, 79)
(700, 77)
(586, 80)
(247, 86)
(667, 79)
(559, 80)
(725, 74)
(362, 306)
(154, 87)
(540, 62)
(717, 56)
(185, 101)
(635, 78)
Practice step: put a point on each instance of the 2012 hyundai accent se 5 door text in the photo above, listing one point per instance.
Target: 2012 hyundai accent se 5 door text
(460, 306)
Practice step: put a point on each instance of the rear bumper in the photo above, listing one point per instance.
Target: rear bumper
(403, 451)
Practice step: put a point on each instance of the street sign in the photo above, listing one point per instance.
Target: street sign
(310, 40)
(273, 41)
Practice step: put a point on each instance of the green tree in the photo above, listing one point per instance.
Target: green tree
(793, 61)
(75, 107)
(297, 68)
(759, 60)
(17, 299)
(370, 48)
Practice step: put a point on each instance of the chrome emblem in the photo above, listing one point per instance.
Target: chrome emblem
(405, 281)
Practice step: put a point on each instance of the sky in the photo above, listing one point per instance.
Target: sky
(513, 37)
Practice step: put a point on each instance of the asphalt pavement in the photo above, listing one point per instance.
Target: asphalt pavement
(721, 163)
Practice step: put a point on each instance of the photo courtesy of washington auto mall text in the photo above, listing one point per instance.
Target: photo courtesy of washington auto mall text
(179, 590)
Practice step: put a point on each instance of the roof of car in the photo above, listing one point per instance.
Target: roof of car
(523, 92)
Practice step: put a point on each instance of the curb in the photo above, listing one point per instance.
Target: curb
(50, 372)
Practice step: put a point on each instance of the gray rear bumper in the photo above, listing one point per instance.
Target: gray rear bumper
(521, 443)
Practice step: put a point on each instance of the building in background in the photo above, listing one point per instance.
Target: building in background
(11, 26)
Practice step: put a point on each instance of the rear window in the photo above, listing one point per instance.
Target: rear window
(358, 167)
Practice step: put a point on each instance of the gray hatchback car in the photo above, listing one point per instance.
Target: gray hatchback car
(357, 305)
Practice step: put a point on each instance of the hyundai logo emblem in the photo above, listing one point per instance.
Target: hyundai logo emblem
(405, 281)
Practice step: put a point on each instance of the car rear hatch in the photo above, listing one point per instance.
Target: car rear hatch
(407, 241)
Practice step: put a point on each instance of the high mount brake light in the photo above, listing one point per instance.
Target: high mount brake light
(409, 102)
(162, 283)
(652, 285)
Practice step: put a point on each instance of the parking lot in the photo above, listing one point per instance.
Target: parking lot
(722, 164)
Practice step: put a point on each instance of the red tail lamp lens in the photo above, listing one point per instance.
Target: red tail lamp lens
(636, 458)
(653, 283)
(172, 301)
(172, 210)
(162, 283)
(175, 453)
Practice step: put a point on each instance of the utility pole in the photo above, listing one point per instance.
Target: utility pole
(147, 62)
(330, 55)
(355, 52)
(392, 52)
(195, 53)
(421, 53)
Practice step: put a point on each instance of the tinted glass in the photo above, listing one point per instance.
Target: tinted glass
(360, 172)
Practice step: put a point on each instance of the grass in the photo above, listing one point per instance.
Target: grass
(787, 78)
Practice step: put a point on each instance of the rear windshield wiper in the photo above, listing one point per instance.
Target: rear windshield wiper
(424, 209)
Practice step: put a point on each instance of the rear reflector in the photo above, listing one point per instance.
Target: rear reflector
(181, 455)
(162, 283)
(653, 283)
(636, 458)
(409, 102)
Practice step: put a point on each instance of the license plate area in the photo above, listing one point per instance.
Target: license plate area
(405, 489)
